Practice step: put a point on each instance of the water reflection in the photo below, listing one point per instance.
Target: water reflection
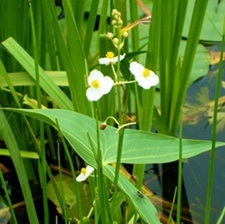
(198, 113)
(200, 105)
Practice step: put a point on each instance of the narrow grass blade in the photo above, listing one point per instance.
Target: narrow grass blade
(45, 82)
(215, 112)
(10, 141)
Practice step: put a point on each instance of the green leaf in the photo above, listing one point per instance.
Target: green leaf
(213, 21)
(201, 62)
(138, 148)
(68, 194)
(24, 154)
(24, 79)
(142, 205)
(45, 82)
(13, 146)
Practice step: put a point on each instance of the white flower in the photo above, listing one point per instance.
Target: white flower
(99, 85)
(84, 173)
(145, 77)
(110, 59)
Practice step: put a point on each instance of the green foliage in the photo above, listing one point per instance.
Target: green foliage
(45, 82)
(152, 147)
(58, 55)
(213, 21)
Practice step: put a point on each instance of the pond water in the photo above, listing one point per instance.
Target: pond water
(197, 110)
(196, 169)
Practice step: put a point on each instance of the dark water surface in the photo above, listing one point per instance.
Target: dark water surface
(199, 103)
(195, 170)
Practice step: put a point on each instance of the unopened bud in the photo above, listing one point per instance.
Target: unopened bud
(103, 126)
(116, 41)
(109, 35)
(114, 22)
(125, 34)
(120, 22)
(114, 12)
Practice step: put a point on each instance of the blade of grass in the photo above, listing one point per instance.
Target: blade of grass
(80, 211)
(3, 183)
(146, 108)
(15, 26)
(135, 30)
(180, 172)
(78, 60)
(24, 79)
(41, 124)
(49, 39)
(90, 26)
(170, 218)
(24, 154)
(45, 82)
(192, 42)
(65, 214)
(103, 19)
(212, 156)
(71, 57)
(10, 141)
(220, 220)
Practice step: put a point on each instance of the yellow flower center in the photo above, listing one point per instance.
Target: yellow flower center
(146, 73)
(110, 55)
(95, 83)
(83, 170)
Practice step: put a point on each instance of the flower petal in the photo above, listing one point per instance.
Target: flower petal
(106, 85)
(83, 177)
(89, 170)
(93, 94)
(154, 79)
(136, 68)
(104, 61)
(95, 74)
(145, 82)
(107, 61)
(115, 59)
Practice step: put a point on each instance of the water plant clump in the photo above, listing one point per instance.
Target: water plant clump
(92, 94)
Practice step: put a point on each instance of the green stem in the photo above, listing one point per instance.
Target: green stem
(121, 131)
(179, 193)
(104, 209)
(145, 101)
(135, 30)
(11, 143)
(118, 158)
(172, 206)
(75, 185)
(65, 214)
(41, 125)
(212, 158)
(7, 197)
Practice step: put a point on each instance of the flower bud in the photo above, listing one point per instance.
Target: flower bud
(125, 34)
(120, 23)
(109, 35)
(115, 41)
(114, 12)
(103, 126)
(114, 22)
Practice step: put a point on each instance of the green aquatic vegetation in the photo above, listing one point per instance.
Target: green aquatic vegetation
(98, 74)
